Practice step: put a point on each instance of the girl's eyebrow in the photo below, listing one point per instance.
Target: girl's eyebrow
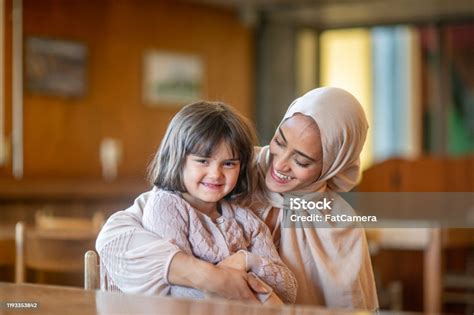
(231, 160)
(209, 157)
(297, 151)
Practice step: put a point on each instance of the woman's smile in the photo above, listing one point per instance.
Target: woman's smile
(280, 177)
(296, 155)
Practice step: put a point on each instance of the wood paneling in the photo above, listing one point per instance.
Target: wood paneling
(384, 177)
(5, 170)
(62, 136)
(426, 174)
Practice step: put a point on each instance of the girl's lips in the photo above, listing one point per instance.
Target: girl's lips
(212, 186)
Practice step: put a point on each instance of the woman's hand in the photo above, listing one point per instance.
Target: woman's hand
(222, 281)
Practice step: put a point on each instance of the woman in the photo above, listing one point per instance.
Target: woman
(315, 149)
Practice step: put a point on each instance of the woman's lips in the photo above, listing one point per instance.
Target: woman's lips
(278, 179)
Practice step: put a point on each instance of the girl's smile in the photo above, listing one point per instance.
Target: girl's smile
(209, 179)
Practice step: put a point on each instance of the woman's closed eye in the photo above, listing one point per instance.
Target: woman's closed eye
(301, 164)
(279, 142)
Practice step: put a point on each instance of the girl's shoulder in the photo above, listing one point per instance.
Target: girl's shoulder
(246, 218)
(166, 198)
(166, 194)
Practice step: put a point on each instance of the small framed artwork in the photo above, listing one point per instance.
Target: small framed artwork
(171, 79)
(55, 67)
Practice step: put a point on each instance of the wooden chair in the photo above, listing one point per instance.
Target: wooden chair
(95, 275)
(91, 271)
(45, 221)
(50, 251)
(7, 246)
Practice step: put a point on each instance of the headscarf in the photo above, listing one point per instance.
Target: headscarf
(343, 128)
(331, 264)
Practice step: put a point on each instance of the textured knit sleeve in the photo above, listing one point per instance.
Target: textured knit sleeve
(133, 260)
(167, 216)
(263, 260)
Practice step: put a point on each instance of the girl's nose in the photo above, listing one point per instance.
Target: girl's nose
(215, 172)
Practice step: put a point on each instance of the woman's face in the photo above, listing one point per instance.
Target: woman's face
(296, 155)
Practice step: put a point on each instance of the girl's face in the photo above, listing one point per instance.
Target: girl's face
(296, 155)
(209, 179)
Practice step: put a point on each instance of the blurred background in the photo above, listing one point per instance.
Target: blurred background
(87, 89)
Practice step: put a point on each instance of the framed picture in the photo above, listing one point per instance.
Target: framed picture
(171, 79)
(55, 67)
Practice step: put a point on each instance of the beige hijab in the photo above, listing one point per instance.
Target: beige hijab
(332, 265)
(343, 128)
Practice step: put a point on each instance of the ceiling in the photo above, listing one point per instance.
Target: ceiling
(346, 13)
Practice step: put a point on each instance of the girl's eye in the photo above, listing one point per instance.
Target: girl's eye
(230, 164)
(201, 161)
(304, 165)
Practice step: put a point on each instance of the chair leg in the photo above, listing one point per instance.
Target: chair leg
(91, 271)
(20, 252)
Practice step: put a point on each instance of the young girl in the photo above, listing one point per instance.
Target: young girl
(202, 175)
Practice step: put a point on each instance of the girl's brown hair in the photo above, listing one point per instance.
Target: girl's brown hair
(198, 129)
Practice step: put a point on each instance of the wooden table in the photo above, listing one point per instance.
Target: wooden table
(54, 300)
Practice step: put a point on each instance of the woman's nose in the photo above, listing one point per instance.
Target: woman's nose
(280, 163)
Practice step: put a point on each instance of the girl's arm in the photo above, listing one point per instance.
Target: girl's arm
(168, 217)
(138, 260)
(225, 282)
(238, 261)
(262, 259)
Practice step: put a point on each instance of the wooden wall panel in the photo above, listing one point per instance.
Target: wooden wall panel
(62, 136)
(425, 174)
(383, 177)
(6, 169)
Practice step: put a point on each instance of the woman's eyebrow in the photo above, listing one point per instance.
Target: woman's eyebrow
(282, 135)
(297, 151)
(305, 156)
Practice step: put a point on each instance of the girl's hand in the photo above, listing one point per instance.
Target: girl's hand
(221, 281)
(233, 284)
(236, 261)
(274, 300)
